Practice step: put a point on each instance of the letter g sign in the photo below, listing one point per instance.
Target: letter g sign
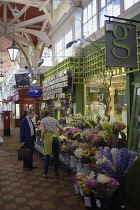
(117, 41)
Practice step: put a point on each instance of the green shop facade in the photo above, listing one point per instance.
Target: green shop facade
(89, 91)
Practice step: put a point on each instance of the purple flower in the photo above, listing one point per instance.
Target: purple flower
(107, 166)
(91, 183)
(122, 160)
(130, 159)
(113, 182)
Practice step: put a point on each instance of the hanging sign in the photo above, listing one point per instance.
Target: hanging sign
(120, 44)
(34, 92)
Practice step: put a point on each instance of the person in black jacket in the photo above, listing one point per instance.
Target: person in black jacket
(27, 137)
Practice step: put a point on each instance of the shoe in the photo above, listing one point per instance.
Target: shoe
(44, 176)
(27, 169)
(34, 167)
(56, 174)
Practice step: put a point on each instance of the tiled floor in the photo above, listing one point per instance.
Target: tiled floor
(27, 189)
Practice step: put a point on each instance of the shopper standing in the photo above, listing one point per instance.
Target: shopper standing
(50, 137)
(36, 119)
(27, 137)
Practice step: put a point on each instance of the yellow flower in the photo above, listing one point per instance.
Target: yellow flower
(76, 134)
(94, 149)
(86, 153)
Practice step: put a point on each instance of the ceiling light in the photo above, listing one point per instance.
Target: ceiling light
(1, 77)
(15, 12)
(13, 51)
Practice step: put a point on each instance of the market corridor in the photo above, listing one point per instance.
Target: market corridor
(28, 189)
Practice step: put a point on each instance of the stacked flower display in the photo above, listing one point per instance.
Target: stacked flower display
(114, 161)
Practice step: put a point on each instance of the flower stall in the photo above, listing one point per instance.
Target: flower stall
(99, 166)
(90, 149)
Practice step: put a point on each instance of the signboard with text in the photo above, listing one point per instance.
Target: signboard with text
(120, 44)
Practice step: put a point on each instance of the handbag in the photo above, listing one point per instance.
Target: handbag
(24, 153)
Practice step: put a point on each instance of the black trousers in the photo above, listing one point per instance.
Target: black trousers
(55, 151)
(29, 163)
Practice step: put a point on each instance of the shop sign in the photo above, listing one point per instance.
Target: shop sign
(120, 44)
(34, 92)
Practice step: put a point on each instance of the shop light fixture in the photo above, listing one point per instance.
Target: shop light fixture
(1, 77)
(34, 81)
(13, 50)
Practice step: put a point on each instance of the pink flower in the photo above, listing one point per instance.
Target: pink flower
(91, 183)
(113, 183)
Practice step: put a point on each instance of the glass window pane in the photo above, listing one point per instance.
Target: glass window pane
(94, 9)
(85, 15)
(89, 11)
(85, 29)
(102, 3)
(102, 17)
(128, 4)
(90, 30)
(94, 22)
(109, 9)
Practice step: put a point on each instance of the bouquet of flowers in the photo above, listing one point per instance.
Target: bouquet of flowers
(117, 126)
(82, 122)
(72, 133)
(98, 137)
(114, 161)
(38, 133)
(103, 186)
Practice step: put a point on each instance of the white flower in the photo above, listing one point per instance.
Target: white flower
(101, 160)
(78, 152)
(102, 178)
(62, 137)
(91, 176)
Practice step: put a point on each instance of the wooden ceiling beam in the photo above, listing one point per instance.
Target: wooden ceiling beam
(5, 14)
(44, 10)
(32, 21)
(44, 5)
(24, 9)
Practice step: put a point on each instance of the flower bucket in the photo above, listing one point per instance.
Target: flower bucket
(79, 165)
(119, 195)
(61, 157)
(72, 161)
(85, 170)
(81, 192)
(87, 201)
(67, 159)
(90, 201)
(77, 189)
(114, 140)
(104, 203)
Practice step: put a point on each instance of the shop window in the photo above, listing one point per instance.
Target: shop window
(96, 104)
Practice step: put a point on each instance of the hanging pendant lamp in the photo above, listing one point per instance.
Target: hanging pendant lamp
(1, 77)
(13, 51)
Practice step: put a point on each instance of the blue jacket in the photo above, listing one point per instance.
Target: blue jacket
(25, 133)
